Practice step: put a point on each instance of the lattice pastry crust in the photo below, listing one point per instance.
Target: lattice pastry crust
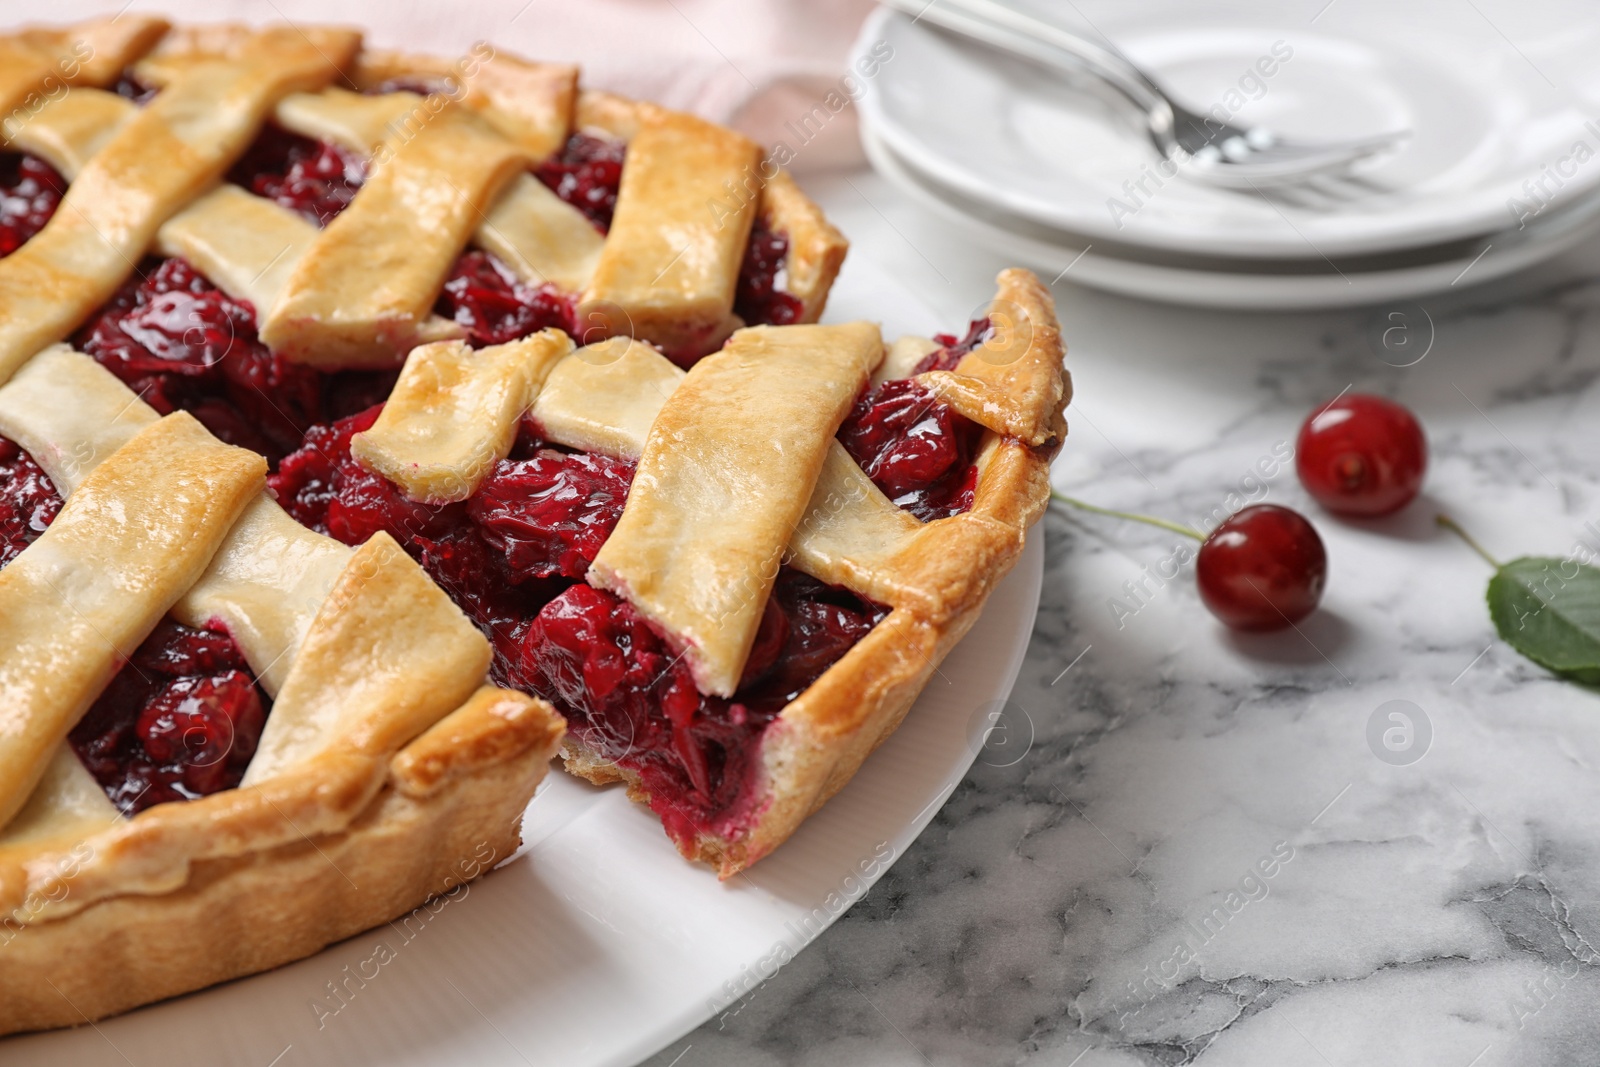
(385, 751)
(387, 761)
(738, 470)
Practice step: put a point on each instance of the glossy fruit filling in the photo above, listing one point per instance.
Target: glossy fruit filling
(183, 344)
(182, 717)
(30, 192)
(495, 306)
(587, 173)
(760, 298)
(318, 179)
(28, 501)
(514, 557)
(180, 720)
(920, 451)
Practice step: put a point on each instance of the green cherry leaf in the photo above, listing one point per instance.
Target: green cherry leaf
(1550, 614)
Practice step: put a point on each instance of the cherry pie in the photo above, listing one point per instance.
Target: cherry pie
(372, 426)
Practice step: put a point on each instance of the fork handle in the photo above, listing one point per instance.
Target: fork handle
(1009, 30)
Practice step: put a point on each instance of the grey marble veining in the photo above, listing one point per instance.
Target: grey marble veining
(1190, 846)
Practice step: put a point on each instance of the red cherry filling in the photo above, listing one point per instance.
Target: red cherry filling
(629, 699)
(513, 557)
(550, 514)
(952, 351)
(917, 449)
(30, 192)
(28, 501)
(495, 306)
(587, 173)
(181, 343)
(179, 721)
(318, 179)
(760, 299)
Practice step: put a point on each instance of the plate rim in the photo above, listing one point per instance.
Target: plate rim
(1488, 216)
(1215, 289)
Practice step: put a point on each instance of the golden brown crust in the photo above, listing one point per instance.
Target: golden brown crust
(363, 294)
(670, 265)
(71, 130)
(1012, 383)
(240, 915)
(454, 413)
(718, 494)
(387, 656)
(531, 103)
(495, 726)
(816, 248)
(603, 114)
(37, 63)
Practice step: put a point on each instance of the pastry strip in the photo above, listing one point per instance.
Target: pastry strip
(530, 103)
(533, 231)
(159, 161)
(604, 398)
(70, 414)
(364, 292)
(269, 577)
(245, 245)
(541, 237)
(454, 413)
(671, 261)
(388, 656)
(266, 584)
(816, 248)
(66, 808)
(1012, 383)
(718, 494)
(67, 133)
(151, 516)
(37, 64)
(352, 120)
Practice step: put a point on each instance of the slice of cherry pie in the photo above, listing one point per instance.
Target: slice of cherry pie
(361, 411)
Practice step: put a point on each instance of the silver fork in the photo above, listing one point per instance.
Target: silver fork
(1205, 148)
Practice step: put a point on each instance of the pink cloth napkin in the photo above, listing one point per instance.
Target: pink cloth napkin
(757, 65)
(764, 67)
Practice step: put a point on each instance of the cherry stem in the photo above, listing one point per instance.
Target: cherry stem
(1455, 527)
(1149, 520)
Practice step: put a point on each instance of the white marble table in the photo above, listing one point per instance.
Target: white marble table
(1199, 857)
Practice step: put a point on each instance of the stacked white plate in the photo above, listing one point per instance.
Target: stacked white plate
(1502, 169)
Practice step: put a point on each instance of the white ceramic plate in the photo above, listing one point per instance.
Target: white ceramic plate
(597, 944)
(1207, 284)
(1484, 117)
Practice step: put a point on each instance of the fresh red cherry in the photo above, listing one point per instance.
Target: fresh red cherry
(1362, 455)
(1262, 569)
